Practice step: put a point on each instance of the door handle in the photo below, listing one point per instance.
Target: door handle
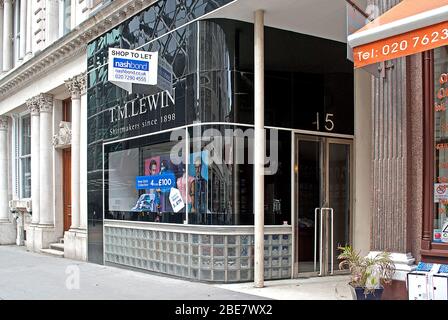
(322, 210)
(332, 239)
(315, 238)
(318, 213)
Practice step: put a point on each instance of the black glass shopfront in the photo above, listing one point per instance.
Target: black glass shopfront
(130, 136)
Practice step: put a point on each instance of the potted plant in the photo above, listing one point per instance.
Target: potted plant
(368, 274)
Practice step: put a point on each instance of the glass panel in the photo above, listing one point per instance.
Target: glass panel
(25, 138)
(26, 177)
(440, 233)
(221, 177)
(67, 16)
(140, 182)
(310, 189)
(277, 187)
(339, 196)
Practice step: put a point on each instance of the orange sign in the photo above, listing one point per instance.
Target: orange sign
(402, 45)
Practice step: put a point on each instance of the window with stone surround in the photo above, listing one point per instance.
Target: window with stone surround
(24, 156)
(65, 13)
(16, 30)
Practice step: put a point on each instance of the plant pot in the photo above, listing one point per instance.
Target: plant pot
(358, 293)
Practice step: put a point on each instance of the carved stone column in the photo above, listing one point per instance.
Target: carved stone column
(46, 160)
(75, 240)
(33, 106)
(76, 86)
(41, 233)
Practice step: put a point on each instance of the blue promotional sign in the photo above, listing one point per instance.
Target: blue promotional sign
(164, 182)
(131, 64)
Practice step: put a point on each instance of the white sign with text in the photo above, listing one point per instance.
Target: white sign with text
(440, 192)
(176, 200)
(127, 67)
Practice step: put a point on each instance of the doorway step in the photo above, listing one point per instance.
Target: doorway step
(56, 249)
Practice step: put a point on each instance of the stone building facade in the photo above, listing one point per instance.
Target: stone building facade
(43, 119)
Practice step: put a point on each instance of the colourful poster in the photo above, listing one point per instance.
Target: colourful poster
(152, 166)
(198, 169)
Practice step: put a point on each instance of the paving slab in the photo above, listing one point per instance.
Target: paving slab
(30, 276)
(325, 288)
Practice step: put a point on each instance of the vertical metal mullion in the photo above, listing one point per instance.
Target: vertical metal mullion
(321, 247)
(187, 156)
(104, 206)
(324, 222)
(332, 240)
(294, 199)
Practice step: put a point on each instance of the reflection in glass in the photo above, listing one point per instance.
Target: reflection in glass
(339, 194)
(310, 198)
(440, 223)
(141, 184)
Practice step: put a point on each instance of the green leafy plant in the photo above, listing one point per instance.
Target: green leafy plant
(368, 273)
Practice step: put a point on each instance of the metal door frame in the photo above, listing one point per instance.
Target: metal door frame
(324, 145)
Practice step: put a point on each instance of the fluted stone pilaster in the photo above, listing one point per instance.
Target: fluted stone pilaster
(76, 86)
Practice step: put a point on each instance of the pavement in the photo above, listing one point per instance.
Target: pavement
(31, 276)
(326, 288)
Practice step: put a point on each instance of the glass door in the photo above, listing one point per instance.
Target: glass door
(323, 207)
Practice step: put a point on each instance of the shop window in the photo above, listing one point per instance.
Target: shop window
(222, 177)
(222, 170)
(142, 182)
(214, 187)
(25, 156)
(277, 185)
(440, 223)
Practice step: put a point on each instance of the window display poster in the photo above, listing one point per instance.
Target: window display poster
(123, 169)
(198, 169)
(157, 199)
(176, 200)
(440, 192)
(152, 166)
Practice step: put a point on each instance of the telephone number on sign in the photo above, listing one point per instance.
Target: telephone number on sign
(129, 77)
(397, 47)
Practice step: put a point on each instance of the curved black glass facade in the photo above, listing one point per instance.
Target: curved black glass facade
(212, 62)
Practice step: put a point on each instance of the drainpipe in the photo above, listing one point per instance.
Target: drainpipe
(259, 148)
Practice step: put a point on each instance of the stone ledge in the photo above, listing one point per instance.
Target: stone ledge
(404, 263)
